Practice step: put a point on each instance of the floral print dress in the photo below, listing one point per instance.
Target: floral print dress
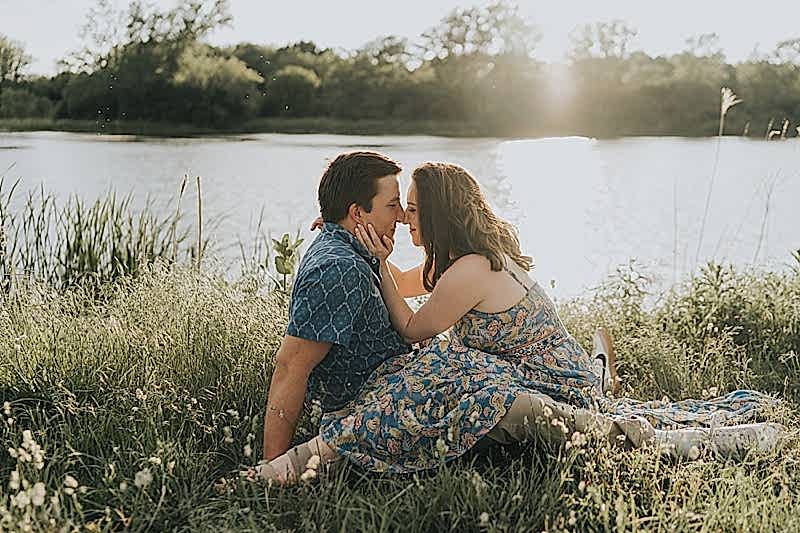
(432, 405)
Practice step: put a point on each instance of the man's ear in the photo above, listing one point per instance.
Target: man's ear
(356, 213)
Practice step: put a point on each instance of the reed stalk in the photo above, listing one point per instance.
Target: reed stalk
(727, 100)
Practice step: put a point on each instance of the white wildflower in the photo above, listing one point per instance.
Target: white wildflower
(70, 484)
(140, 395)
(441, 447)
(170, 466)
(38, 493)
(233, 412)
(694, 453)
(7, 408)
(572, 518)
(308, 475)
(13, 483)
(313, 462)
(21, 500)
(483, 519)
(143, 478)
(228, 434)
(248, 450)
(154, 460)
(477, 482)
(123, 486)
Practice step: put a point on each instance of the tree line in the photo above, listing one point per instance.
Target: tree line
(477, 65)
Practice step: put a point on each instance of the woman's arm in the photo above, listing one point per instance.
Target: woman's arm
(409, 282)
(457, 291)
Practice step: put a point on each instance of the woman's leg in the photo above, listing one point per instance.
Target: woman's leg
(302, 461)
(537, 416)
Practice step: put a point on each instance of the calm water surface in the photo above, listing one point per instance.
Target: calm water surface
(583, 207)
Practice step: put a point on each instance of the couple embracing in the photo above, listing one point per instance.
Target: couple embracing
(397, 394)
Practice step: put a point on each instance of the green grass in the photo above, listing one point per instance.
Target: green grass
(78, 242)
(263, 125)
(168, 374)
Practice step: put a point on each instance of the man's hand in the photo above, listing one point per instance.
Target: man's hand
(295, 360)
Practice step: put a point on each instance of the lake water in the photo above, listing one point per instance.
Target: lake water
(583, 206)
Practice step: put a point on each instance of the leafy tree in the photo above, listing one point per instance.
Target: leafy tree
(20, 103)
(495, 29)
(704, 45)
(217, 88)
(602, 39)
(13, 61)
(292, 91)
(389, 50)
(788, 51)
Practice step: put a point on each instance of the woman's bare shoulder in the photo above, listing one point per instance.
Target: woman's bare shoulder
(469, 266)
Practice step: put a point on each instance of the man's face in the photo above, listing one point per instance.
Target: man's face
(386, 207)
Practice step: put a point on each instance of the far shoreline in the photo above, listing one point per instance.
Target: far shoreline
(306, 125)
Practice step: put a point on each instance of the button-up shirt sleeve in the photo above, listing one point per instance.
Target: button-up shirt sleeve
(327, 300)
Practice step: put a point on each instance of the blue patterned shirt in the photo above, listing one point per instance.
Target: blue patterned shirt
(336, 298)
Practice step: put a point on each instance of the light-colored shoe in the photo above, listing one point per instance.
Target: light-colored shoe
(605, 360)
(735, 442)
(728, 442)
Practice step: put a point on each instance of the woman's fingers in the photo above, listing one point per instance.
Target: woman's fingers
(389, 243)
(377, 245)
(364, 239)
(373, 234)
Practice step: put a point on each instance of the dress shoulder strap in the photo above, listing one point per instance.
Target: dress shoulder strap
(516, 278)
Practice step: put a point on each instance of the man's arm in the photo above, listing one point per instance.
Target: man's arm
(295, 360)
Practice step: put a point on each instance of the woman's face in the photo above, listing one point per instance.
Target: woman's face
(412, 215)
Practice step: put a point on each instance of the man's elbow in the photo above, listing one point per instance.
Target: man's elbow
(289, 369)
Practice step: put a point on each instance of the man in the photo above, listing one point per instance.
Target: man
(339, 328)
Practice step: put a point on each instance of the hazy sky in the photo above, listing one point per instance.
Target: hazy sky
(49, 28)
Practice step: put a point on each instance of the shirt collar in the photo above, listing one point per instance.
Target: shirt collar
(338, 232)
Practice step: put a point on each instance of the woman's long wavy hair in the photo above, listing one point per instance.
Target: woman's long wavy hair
(455, 220)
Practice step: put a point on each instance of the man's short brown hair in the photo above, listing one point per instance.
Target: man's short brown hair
(351, 179)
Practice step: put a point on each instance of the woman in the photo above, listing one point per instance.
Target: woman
(508, 363)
